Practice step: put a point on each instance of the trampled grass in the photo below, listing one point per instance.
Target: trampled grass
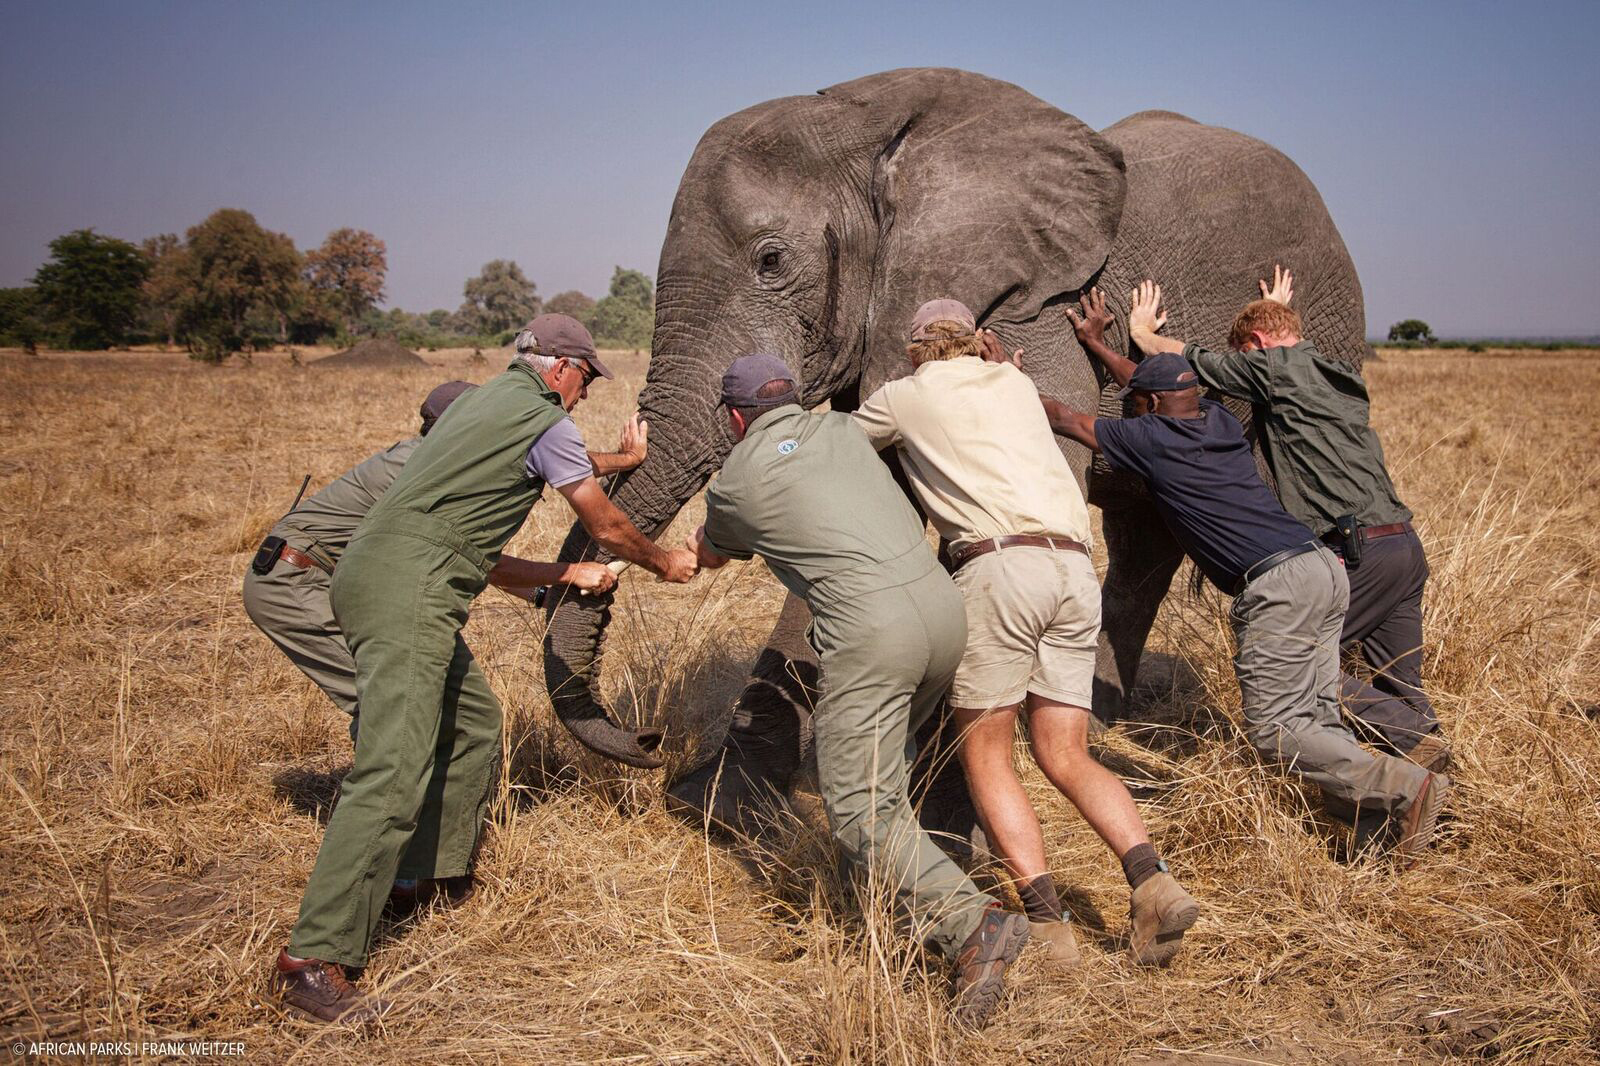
(163, 774)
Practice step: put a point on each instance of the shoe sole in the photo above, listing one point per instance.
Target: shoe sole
(1414, 840)
(977, 1002)
(1169, 935)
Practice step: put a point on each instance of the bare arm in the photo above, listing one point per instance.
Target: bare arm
(611, 529)
(521, 577)
(1145, 318)
(703, 553)
(1070, 423)
(635, 445)
(1091, 327)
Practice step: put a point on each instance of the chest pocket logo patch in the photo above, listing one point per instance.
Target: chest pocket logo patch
(785, 447)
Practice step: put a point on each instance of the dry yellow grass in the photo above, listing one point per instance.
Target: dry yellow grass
(162, 771)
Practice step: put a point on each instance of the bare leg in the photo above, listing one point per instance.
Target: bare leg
(1060, 737)
(988, 738)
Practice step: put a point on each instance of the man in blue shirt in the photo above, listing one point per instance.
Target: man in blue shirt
(1290, 592)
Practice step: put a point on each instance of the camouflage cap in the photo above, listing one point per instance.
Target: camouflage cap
(560, 337)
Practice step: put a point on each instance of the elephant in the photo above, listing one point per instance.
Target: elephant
(813, 226)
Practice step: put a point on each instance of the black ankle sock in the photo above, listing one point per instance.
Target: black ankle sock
(1039, 899)
(1140, 864)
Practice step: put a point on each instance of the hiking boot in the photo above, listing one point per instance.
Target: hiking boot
(1160, 913)
(409, 898)
(980, 969)
(1421, 819)
(1432, 753)
(1061, 946)
(321, 991)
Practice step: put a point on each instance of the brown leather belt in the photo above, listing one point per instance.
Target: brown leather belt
(1369, 533)
(302, 560)
(1014, 540)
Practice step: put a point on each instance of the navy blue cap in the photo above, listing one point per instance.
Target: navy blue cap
(1164, 372)
(749, 373)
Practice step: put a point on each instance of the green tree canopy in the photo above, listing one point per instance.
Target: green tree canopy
(90, 288)
(1412, 329)
(236, 274)
(625, 317)
(164, 286)
(572, 303)
(20, 318)
(348, 272)
(500, 298)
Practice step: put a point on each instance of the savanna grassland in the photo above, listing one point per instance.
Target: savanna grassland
(164, 773)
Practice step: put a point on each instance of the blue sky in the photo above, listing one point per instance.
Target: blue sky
(1457, 145)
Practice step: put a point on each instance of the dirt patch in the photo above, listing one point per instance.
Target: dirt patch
(376, 354)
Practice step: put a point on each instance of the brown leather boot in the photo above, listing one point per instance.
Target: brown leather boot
(1060, 943)
(406, 901)
(1432, 753)
(1421, 819)
(980, 969)
(321, 991)
(1161, 912)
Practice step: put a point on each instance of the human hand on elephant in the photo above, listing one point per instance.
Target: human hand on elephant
(635, 443)
(1092, 324)
(703, 554)
(591, 578)
(1145, 314)
(679, 566)
(1282, 290)
(995, 352)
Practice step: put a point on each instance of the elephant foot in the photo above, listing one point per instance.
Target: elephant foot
(722, 793)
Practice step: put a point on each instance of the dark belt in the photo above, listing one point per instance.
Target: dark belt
(304, 561)
(1271, 561)
(1014, 540)
(1394, 529)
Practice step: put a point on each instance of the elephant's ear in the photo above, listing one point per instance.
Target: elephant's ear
(982, 192)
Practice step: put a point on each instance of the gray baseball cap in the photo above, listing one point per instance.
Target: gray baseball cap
(560, 337)
(437, 400)
(953, 311)
(749, 373)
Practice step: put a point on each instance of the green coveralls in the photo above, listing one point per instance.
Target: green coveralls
(429, 745)
(290, 603)
(809, 495)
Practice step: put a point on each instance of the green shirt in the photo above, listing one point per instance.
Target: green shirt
(808, 494)
(1311, 414)
(326, 520)
(467, 486)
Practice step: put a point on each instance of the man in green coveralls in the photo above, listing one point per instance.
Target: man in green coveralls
(429, 743)
(286, 589)
(808, 494)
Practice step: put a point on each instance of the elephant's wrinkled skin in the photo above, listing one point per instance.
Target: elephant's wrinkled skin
(813, 226)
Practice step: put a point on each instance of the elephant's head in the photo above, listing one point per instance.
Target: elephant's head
(813, 227)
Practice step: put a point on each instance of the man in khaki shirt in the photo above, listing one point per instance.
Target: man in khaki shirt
(985, 466)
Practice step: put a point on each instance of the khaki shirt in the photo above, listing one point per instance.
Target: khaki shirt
(807, 493)
(979, 451)
(326, 520)
(1311, 414)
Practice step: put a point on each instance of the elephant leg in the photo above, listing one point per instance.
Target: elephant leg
(939, 792)
(758, 758)
(1143, 558)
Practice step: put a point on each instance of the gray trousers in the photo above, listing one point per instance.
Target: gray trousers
(1385, 622)
(291, 606)
(1287, 624)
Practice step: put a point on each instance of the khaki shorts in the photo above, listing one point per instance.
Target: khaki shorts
(1033, 617)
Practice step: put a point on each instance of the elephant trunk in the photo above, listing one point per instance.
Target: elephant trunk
(679, 401)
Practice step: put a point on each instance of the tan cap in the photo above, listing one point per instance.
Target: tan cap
(560, 337)
(952, 311)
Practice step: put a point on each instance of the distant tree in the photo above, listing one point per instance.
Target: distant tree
(438, 319)
(500, 298)
(20, 318)
(235, 275)
(572, 302)
(625, 317)
(1412, 329)
(164, 285)
(348, 272)
(90, 288)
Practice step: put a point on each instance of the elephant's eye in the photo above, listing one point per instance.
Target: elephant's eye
(770, 261)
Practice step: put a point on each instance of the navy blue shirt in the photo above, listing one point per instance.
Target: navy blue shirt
(1204, 481)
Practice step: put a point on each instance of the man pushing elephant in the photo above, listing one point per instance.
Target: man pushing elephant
(807, 493)
(429, 744)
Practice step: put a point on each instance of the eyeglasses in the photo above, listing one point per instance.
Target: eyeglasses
(585, 369)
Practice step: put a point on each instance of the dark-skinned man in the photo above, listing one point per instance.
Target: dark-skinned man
(807, 493)
(1311, 413)
(429, 744)
(1289, 590)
